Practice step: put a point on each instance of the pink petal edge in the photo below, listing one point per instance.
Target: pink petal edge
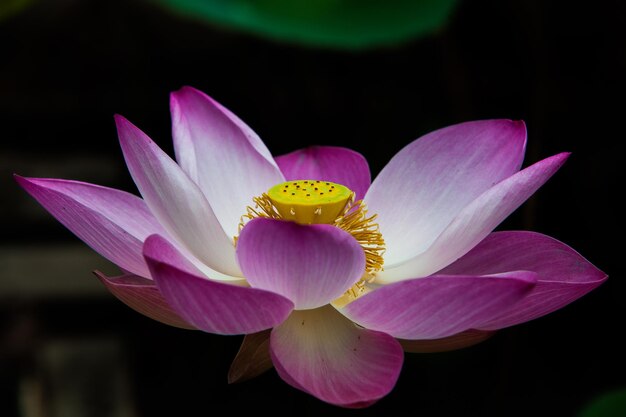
(563, 274)
(427, 184)
(328, 163)
(476, 221)
(322, 353)
(143, 296)
(461, 340)
(309, 264)
(175, 200)
(221, 154)
(112, 222)
(440, 305)
(212, 306)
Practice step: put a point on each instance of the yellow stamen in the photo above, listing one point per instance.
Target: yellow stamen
(354, 220)
(315, 202)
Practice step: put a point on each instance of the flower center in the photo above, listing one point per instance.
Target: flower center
(310, 202)
(315, 202)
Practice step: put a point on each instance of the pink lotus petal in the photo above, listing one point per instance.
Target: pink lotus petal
(253, 358)
(432, 179)
(171, 254)
(175, 200)
(143, 296)
(476, 221)
(221, 154)
(114, 223)
(209, 305)
(321, 352)
(461, 340)
(440, 305)
(311, 265)
(328, 163)
(563, 274)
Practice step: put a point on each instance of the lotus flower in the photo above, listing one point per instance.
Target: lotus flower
(233, 241)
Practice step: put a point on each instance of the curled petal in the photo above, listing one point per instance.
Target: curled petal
(114, 223)
(440, 305)
(432, 179)
(563, 274)
(212, 306)
(461, 340)
(309, 264)
(476, 221)
(143, 296)
(175, 200)
(321, 352)
(328, 163)
(227, 160)
(252, 359)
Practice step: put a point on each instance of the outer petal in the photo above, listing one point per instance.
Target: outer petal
(311, 265)
(563, 274)
(143, 296)
(458, 341)
(175, 200)
(432, 179)
(212, 306)
(221, 154)
(114, 223)
(476, 221)
(440, 305)
(328, 163)
(321, 352)
(252, 359)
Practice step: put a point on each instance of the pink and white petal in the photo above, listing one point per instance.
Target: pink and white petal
(112, 222)
(143, 296)
(211, 306)
(171, 253)
(548, 298)
(175, 200)
(563, 274)
(328, 163)
(324, 354)
(309, 264)
(440, 305)
(253, 358)
(432, 179)
(227, 160)
(475, 221)
(461, 340)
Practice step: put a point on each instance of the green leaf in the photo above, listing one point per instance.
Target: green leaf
(353, 24)
(610, 404)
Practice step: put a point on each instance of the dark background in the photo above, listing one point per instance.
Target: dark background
(67, 348)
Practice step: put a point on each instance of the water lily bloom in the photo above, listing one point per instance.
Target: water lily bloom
(331, 276)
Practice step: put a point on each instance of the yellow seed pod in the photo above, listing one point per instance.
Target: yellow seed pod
(310, 201)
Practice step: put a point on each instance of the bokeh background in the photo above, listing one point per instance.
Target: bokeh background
(371, 83)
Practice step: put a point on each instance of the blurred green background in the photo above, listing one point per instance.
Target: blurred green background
(347, 24)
